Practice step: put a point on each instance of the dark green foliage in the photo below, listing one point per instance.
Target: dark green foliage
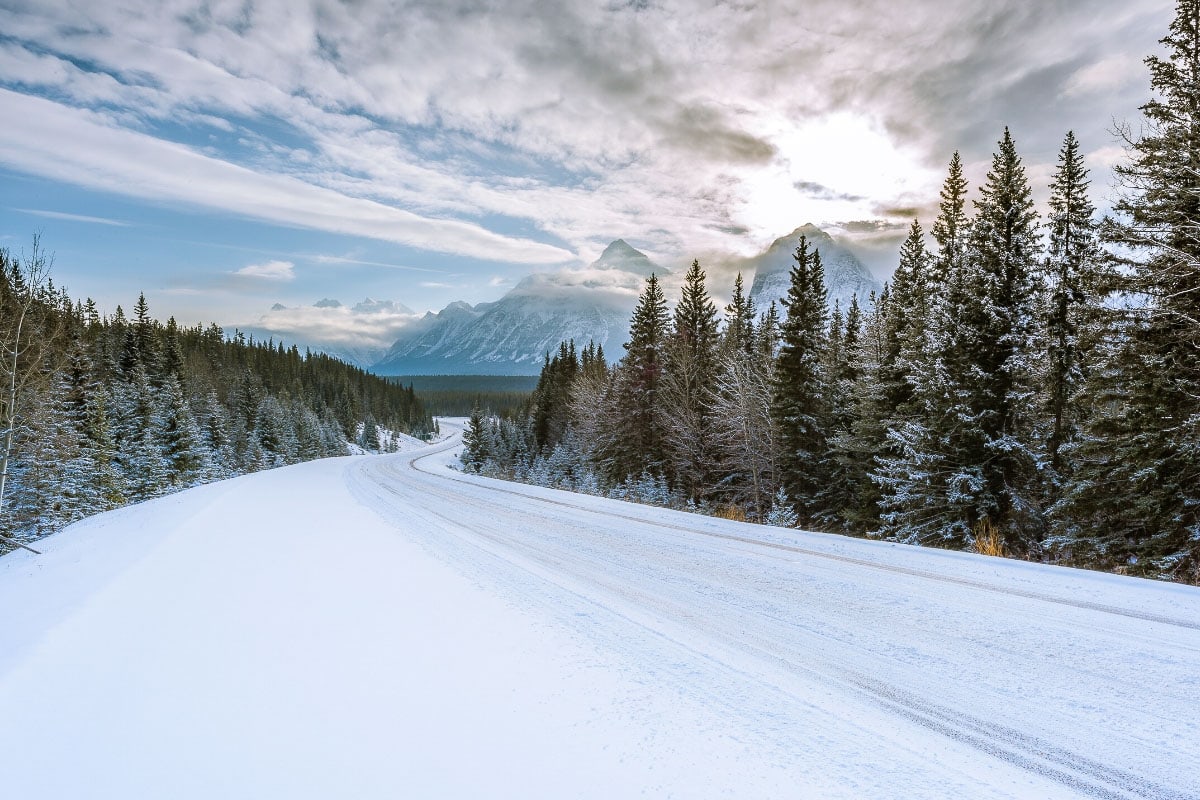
(994, 342)
(801, 401)
(1137, 467)
(119, 411)
(1074, 290)
(457, 395)
(688, 384)
(551, 398)
(636, 446)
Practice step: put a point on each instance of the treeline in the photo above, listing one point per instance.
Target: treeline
(96, 411)
(456, 395)
(1022, 386)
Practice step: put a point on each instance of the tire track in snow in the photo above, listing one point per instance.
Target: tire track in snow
(861, 562)
(1069, 768)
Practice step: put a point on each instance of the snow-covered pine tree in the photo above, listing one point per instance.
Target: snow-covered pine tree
(136, 421)
(743, 428)
(475, 436)
(634, 444)
(801, 392)
(848, 471)
(551, 398)
(922, 493)
(183, 448)
(1137, 478)
(740, 317)
(996, 343)
(687, 386)
(1072, 299)
(588, 404)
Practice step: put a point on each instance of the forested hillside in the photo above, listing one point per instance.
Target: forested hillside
(96, 412)
(1024, 386)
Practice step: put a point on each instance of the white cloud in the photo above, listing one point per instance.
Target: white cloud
(77, 146)
(37, 212)
(268, 271)
(684, 125)
(1105, 76)
(367, 324)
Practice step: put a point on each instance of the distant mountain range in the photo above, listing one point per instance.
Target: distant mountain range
(511, 336)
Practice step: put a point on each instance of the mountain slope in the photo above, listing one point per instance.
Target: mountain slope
(377, 627)
(512, 335)
(845, 275)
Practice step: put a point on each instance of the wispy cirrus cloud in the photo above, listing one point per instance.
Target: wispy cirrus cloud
(81, 147)
(268, 271)
(690, 126)
(41, 212)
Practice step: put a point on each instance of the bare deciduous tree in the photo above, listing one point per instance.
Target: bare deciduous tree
(25, 336)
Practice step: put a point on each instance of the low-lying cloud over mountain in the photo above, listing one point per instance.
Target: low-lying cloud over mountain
(511, 335)
(360, 334)
(594, 303)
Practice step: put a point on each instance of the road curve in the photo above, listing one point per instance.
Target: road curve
(996, 677)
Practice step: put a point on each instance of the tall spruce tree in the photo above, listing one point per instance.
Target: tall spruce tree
(740, 316)
(1071, 276)
(801, 392)
(688, 383)
(925, 495)
(996, 341)
(634, 444)
(1138, 478)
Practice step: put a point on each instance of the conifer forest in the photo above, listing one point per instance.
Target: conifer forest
(97, 412)
(1025, 385)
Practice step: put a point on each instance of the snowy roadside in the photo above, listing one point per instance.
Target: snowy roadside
(386, 626)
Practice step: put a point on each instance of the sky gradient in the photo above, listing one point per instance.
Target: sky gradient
(226, 156)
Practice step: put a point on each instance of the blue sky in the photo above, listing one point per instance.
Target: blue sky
(224, 156)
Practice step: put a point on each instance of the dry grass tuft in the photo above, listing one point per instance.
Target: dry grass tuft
(733, 512)
(988, 539)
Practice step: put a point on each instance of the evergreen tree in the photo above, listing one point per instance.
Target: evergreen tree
(187, 460)
(1071, 276)
(925, 494)
(951, 227)
(475, 437)
(635, 444)
(996, 344)
(1146, 439)
(688, 383)
(848, 473)
(801, 392)
(740, 316)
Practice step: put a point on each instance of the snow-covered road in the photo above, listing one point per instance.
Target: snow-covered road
(386, 626)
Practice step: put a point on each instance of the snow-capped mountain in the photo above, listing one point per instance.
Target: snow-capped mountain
(845, 275)
(512, 335)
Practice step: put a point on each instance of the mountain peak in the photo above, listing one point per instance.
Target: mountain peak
(845, 275)
(620, 255)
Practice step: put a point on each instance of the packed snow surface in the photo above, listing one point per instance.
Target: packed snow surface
(384, 626)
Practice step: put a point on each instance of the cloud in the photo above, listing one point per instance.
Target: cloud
(690, 126)
(37, 212)
(367, 324)
(1104, 76)
(268, 271)
(78, 147)
(820, 192)
(328, 259)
